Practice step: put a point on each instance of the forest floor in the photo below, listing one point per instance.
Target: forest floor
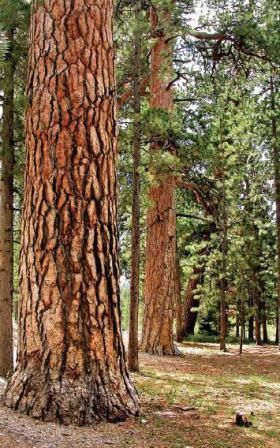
(187, 402)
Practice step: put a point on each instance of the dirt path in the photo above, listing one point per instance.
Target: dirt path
(187, 402)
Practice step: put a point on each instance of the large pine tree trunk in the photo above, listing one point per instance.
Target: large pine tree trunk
(160, 267)
(71, 363)
(6, 215)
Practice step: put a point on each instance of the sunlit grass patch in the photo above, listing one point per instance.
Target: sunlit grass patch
(273, 434)
(178, 388)
(213, 388)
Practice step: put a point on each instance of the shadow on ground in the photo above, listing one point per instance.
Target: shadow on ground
(187, 402)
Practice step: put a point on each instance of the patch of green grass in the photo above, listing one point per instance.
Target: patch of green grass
(150, 390)
(154, 384)
(220, 444)
(273, 434)
(210, 339)
(158, 422)
(216, 394)
(173, 396)
(174, 440)
(179, 443)
(252, 389)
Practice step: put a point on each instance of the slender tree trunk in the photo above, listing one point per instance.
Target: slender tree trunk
(242, 332)
(223, 319)
(179, 306)
(71, 363)
(276, 162)
(256, 304)
(223, 281)
(241, 343)
(264, 324)
(241, 339)
(238, 319)
(237, 327)
(133, 363)
(258, 335)
(241, 319)
(160, 267)
(251, 328)
(251, 321)
(6, 214)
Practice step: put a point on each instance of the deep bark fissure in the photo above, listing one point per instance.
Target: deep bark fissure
(160, 266)
(71, 362)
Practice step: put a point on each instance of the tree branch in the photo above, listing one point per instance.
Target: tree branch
(125, 97)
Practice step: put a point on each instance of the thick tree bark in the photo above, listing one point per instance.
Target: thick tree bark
(160, 267)
(133, 362)
(6, 214)
(71, 363)
(159, 287)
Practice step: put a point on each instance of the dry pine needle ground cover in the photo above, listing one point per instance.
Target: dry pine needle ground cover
(187, 402)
